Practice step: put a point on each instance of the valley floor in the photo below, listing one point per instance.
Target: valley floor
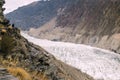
(100, 64)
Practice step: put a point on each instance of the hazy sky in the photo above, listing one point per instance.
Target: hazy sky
(14, 4)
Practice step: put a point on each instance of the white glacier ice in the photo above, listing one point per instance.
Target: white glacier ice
(100, 64)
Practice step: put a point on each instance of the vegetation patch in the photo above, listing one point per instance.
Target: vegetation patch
(19, 72)
(7, 44)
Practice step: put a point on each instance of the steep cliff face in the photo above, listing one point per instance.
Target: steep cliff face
(95, 22)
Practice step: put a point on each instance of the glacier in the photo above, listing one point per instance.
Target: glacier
(99, 63)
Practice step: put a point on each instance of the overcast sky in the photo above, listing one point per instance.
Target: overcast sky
(14, 4)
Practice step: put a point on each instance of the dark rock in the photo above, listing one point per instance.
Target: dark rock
(4, 75)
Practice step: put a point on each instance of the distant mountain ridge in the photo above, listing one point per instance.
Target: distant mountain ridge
(35, 14)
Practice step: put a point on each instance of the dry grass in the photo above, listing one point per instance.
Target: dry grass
(19, 72)
(11, 65)
(22, 74)
(39, 76)
(9, 61)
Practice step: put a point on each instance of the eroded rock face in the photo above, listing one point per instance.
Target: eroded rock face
(93, 22)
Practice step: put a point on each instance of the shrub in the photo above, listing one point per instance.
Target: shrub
(7, 44)
(9, 61)
(1, 26)
(39, 75)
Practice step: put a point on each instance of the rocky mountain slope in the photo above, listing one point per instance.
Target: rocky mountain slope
(91, 22)
(35, 14)
(28, 61)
